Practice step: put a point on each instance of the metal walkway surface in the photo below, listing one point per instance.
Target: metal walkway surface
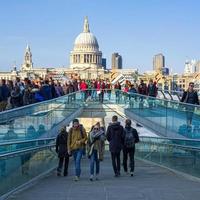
(149, 182)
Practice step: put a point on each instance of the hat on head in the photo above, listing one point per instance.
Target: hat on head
(63, 129)
(75, 121)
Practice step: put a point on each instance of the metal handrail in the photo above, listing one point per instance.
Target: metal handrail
(174, 145)
(12, 154)
(26, 141)
(168, 138)
(113, 90)
(36, 104)
(157, 98)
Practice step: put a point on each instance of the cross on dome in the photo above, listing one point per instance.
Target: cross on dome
(28, 47)
(86, 28)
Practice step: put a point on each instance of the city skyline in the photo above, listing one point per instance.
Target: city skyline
(138, 30)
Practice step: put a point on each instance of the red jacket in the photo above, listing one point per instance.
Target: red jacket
(83, 86)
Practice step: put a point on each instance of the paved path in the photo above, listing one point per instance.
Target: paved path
(149, 182)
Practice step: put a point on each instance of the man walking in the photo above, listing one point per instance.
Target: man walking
(76, 145)
(130, 139)
(115, 138)
(190, 97)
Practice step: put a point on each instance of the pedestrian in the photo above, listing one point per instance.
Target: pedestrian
(115, 138)
(152, 91)
(4, 95)
(62, 151)
(142, 90)
(190, 97)
(76, 145)
(108, 89)
(83, 88)
(117, 88)
(130, 139)
(96, 146)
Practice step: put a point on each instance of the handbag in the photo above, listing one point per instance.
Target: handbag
(99, 92)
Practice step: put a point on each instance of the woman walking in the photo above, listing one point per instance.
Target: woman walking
(96, 140)
(61, 149)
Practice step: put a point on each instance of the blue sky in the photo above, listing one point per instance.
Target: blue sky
(137, 29)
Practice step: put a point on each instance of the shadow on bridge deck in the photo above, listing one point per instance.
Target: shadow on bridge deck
(149, 182)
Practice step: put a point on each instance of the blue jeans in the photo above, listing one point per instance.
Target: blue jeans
(109, 95)
(83, 95)
(77, 155)
(117, 96)
(94, 94)
(94, 160)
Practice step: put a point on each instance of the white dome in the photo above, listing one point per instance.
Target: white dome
(86, 41)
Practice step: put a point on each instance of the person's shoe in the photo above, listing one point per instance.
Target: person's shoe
(58, 173)
(117, 174)
(97, 177)
(91, 177)
(131, 173)
(76, 178)
(65, 174)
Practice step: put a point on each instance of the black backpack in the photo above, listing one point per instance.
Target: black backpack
(129, 139)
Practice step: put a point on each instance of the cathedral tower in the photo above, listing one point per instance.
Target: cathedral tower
(27, 64)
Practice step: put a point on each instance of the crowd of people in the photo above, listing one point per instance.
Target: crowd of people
(18, 93)
(76, 143)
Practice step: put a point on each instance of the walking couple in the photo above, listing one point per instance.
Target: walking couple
(120, 138)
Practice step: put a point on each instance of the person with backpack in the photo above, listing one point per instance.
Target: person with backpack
(115, 138)
(76, 145)
(62, 151)
(96, 146)
(130, 139)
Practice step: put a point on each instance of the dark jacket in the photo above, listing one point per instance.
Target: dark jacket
(61, 144)
(53, 91)
(70, 89)
(142, 89)
(195, 99)
(4, 92)
(115, 137)
(45, 91)
(134, 132)
(152, 90)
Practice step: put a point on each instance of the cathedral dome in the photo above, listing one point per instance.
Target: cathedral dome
(86, 41)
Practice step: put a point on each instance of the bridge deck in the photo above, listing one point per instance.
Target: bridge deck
(149, 182)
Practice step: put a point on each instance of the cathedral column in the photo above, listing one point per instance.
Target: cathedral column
(79, 58)
(94, 58)
(90, 58)
(73, 58)
(82, 58)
